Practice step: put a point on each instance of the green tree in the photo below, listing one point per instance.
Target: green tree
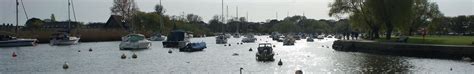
(52, 18)
(391, 13)
(34, 23)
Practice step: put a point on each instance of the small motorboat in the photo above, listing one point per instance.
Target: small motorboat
(134, 41)
(157, 37)
(221, 39)
(249, 38)
(191, 47)
(289, 41)
(320, 37)
(309, 39)
(10, 41)
(176, 39)
(63, 39)
(265, 52)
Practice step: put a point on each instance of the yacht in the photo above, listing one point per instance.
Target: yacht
(309, 39)
(157, 37)
(63, 39)
(289, 41)
(265, 52)
(9, 41)
(176, 39)
(249, 38)
(134, 41)
(221, 39)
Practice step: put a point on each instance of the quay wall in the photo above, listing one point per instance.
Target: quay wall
(406, 49)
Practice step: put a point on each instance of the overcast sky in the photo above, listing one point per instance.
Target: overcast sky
(258, 10)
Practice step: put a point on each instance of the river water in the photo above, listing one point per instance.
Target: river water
(310, 57)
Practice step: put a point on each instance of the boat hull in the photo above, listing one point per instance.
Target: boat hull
(71, 41)
(20, 42)
(174, 44)
(135, 45)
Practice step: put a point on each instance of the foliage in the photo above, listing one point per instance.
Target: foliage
(34, 23)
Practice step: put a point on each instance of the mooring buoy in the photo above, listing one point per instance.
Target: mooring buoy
(280, 63)
(241, 70)
(14, 54)
(123, 56)
(90, 49)
(225, 44)
(134, 55)
(274, 46)
(229, 45)
(235, 54)
(250, 49)
(299, 72)
(66, 65)
(78, 50)
(169, 51)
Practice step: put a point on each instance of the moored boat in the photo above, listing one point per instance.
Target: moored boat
(9, 41)
(221, 39)
(191, 47)
(176, 39)
(265, 52)
(157, 37)
(134, 41)
(63, 39)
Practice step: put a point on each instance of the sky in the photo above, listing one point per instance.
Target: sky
(258, 10)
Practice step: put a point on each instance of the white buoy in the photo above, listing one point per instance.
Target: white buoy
(134, 55)
(66, 65)
(123, 56)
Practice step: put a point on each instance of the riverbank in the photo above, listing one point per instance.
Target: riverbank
(406, 49)
(89, 35)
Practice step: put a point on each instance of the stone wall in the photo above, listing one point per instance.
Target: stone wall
(418, 50)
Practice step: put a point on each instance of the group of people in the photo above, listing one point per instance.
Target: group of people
(350, 36)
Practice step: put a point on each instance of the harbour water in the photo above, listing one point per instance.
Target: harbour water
(310, 57)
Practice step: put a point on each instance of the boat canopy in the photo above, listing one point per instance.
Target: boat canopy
(177, 35)
(265, 45)
(135, 37)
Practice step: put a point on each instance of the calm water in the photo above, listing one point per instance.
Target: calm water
(310, 57)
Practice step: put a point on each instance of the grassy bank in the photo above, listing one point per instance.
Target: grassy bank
(435, 39)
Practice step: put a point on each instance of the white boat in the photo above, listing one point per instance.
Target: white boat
(63, 39)
(9, 41)
(221, 39)
(157, 37)
(134, 41)
(176, 39)
(309, 39)
(249, 38)
(237, 35)
(289, 41)
(265, 52)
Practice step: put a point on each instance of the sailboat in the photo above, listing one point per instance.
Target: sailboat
(10, 41)
(64, 37)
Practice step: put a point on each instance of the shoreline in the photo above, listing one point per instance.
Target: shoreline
(456, 52)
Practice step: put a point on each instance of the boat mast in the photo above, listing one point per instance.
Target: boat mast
(222, 16)
(161, 19)
(69, 15)
(16, 27)
(237, 15)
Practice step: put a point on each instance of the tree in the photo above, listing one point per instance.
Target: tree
(125, 8)
(193, 18)
(159, 9)
(360, 16)
(52, 18)
(391, 13)
(423, 13)
(34, 23)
